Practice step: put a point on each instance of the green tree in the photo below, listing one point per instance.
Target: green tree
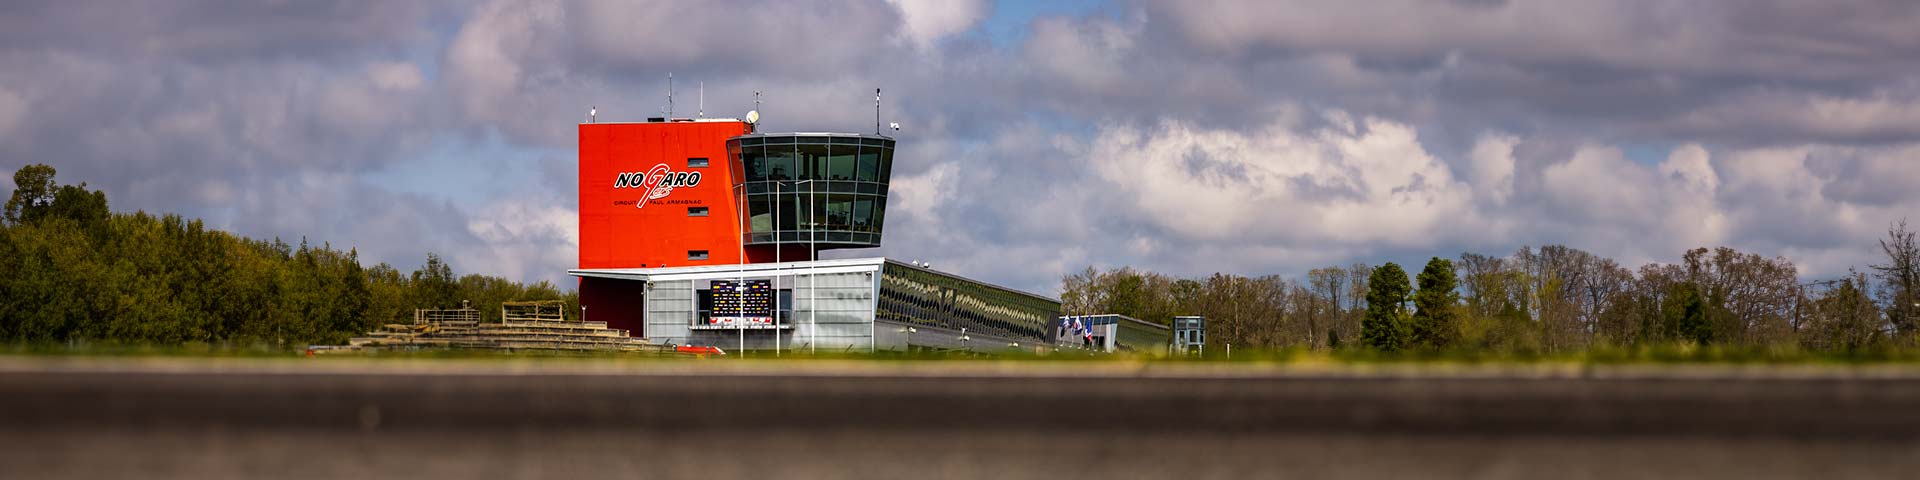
(33, 193)
(434, 285)
(1844, 318)
(75, 202)
(1435, 306)
(1901, 277)
(388, 296)
(74, 272)
(1383, 327)
(1686, 314)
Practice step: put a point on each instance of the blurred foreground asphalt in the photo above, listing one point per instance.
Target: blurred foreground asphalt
(326, 418)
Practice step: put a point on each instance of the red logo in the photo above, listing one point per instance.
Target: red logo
(658, 182)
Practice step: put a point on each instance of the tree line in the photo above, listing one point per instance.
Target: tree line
(1545, 300)
(72, 272)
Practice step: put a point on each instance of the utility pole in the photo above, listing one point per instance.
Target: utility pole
(813, 279)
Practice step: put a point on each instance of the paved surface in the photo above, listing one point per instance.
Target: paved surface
(241, 419)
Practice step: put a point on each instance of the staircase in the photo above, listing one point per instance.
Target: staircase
(525, 326)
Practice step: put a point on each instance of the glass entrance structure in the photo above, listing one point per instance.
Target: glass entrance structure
(824, 189)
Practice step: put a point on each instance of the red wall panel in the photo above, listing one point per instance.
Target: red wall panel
(622, 227)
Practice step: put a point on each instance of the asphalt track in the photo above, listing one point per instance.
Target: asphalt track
(722, 419)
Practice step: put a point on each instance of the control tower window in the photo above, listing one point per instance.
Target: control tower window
(783, 162)
(813, 161)
(841, 162)
(869, 164)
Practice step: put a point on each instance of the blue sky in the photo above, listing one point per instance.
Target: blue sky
(1190, 137)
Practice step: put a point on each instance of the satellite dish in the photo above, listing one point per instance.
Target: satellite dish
(753, 116)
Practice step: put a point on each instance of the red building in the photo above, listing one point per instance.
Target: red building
(690, 193)
(653, 193)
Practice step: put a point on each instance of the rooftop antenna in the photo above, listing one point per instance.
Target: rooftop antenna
(669, 96)
(753, 116)
(593, 114)
(876, 111)
(703, 99)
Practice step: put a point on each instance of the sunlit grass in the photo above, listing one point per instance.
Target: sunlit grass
(1660, 354)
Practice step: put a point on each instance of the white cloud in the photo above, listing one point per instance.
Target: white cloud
(927, 21)
(1369, 181)
(1491, 163)
(484, 59)
(524, 238)
(1089, 55)
(919, 195)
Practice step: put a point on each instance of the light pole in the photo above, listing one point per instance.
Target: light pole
(778, 245)
(740, 284)
(774, 205)
(813, 259)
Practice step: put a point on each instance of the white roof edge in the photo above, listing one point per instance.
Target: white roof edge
(750, 267)
(673, 120)
(835, 266)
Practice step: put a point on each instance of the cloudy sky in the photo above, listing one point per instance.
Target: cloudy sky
(1189, 136)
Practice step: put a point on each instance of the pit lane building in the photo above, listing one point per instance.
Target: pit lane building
(705, 232)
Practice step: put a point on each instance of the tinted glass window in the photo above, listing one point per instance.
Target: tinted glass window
(863, 214)
(813, 161)
(788, 215)
(869, 165)
(760, 214)
(839, 211)
(781, 163)
(802, 209)
(886, 165)
(755, 161)
(696, 254)
(697, 162)
(842, 162)
(696, 211)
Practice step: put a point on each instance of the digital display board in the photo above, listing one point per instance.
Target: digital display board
(736, 304)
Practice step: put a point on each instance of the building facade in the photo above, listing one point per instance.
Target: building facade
(705, 232)
(863, 304)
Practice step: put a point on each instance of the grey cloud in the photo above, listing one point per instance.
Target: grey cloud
(216, 31)
(1881, 177)
(1607, 69)
(1775, 39)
